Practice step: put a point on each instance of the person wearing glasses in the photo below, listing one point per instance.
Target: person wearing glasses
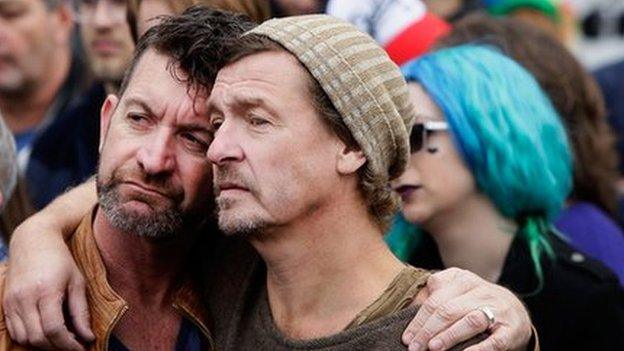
(490, 169)
(68, 152)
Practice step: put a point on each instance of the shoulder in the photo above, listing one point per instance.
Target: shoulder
(586, 297)
(568, 275)
(594, 233)
(581, 291)
(384, 334)
(399, 294)
(576, 271)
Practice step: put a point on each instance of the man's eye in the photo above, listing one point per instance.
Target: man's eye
(11, 12)
(137, 118)
(215, 124)
(195, 143)
(257, 121)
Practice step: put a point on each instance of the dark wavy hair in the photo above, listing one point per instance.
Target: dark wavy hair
(572, 90)
(195, 41)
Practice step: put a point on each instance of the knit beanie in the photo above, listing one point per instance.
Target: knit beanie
(365, 86)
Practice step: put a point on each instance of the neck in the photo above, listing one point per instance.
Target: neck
(324, 270)
(26, 109)
(475, 237)
(139, 269)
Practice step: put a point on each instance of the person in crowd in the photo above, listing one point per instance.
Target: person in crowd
(143, 13)
(589, 219)
(243, 204)
(8, 173)
(106, 39)
(41, 77)
(71, 151)
(489, 172)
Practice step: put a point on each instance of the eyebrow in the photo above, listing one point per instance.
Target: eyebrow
(250, 100)
(132, 101)
(191, 126)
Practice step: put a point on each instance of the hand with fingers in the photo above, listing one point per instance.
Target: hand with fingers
(39, 284)
(457, 305)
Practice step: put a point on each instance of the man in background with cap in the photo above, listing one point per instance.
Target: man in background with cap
(311, 121)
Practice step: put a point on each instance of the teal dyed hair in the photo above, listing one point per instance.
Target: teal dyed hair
(507, 132)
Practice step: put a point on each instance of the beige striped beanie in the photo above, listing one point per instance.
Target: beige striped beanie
(365, 86)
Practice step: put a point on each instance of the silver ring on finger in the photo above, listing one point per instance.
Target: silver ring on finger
(489, 315)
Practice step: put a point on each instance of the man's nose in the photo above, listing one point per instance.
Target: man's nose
(103, 14)
(157, 154)
(225, 146)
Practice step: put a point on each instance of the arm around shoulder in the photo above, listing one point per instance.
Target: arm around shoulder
(42, 274)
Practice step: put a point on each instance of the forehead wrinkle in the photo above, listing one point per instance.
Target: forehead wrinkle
(182, 109)
(234, 96)
(143, 102)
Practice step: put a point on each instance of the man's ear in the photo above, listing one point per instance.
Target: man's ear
(350, 160)
(106, 115)
(64, 23)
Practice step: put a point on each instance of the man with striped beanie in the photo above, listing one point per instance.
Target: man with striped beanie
(311, 120)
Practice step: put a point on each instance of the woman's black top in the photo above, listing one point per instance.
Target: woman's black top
(579, 307)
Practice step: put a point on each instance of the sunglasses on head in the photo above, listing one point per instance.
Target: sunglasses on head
(418, 138)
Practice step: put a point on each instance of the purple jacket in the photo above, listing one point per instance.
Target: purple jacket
(591, 231)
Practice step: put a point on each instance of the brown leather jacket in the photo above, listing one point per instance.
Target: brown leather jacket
(106, 307)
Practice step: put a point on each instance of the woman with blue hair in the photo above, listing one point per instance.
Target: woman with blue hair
(490, 170)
